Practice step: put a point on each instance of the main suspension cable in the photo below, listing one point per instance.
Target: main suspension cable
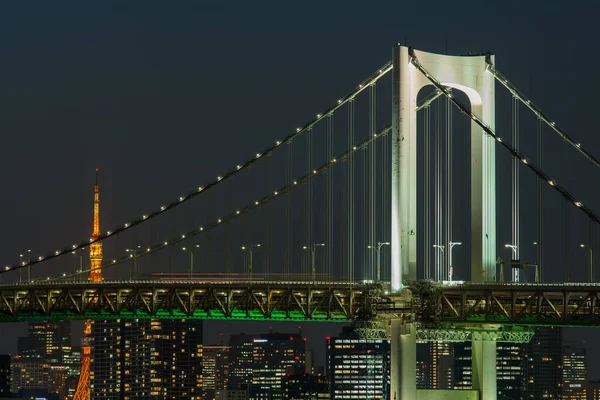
(248, 207)
(490, 132)
(228, 175)
(517, 94)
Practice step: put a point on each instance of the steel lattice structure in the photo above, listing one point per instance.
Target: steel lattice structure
(568, 304)
(306, 301)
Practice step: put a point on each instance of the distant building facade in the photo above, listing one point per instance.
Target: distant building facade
(358, 368)
(134, 359)
(215, 371)
(574, 371)
(258, 363)
(5, 368)
(544, 364)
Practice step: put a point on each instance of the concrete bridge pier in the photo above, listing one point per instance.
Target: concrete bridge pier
(483, 367)
(403, 337)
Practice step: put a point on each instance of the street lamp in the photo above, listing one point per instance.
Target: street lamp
(450, 246)
(513, 247)
(22, 263)
(249, 248)
(190, 250)
(312, 249)
(80, 271)
(134, 255)
(591, 261)
(378, 248)
(441, 247)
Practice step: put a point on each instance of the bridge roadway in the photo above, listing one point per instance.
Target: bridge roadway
(173, 299)
(431, 305)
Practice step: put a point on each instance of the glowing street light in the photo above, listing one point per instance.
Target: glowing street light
(513, 247)
(450, 269)
(249, 248)
(583, 246)
(190, 250)
(134, 254)
(312, 249)
(22, 263)
(378, 249)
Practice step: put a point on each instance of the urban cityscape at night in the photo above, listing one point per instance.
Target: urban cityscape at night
(277, 201)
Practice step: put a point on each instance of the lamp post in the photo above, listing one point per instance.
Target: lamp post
(513, 247)
(75, 270)
(441, 248)
(249, 248)
(22, 263)
(313, 249)
(450, 270)
(190, 250)
(591, 261)
(134, 255)
(378, 249)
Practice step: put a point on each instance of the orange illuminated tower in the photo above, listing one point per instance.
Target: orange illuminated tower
(83, 387)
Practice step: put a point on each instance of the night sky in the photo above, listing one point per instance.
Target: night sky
(162, 96)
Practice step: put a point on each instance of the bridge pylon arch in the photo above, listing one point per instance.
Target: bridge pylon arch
(467, 74)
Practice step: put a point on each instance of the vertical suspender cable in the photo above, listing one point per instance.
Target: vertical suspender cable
(566, 225)
(365, 239)
(566, 237)
(592, 242)
(329, 245)
(427, 194)
(269, 247)
(228, 244)
(448, 267)
(515, 186)
(385, 206)
(373, 179)
(287, 264)
(350, 177)
(540, 239)
(308, 205)
(438, 193)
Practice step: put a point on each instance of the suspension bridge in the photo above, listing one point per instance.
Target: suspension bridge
(354, 216)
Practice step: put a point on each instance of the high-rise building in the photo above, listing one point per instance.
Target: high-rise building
(574, 371)
(303, 386)
(46, 339)
(462, 366)
(28, 373)
(215, 370)
(544, 359)
(593, 390)
(72, 360)
(259, 362)
(57, 380)
(435, 365)
(358, 368)
(138, 359)
(5, 367)
(511, 365)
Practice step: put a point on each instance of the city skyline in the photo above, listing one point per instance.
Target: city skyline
(165, 99)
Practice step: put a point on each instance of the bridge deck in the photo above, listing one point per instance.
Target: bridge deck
(564, 304)
(245, 300)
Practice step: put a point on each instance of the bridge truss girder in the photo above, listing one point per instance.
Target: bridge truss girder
(167, 300)
(511, 304)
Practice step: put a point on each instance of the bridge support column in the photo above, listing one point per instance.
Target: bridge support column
(468, 75)
(403, 360)
(483, 369)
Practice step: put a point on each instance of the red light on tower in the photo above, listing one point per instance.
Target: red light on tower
(327, 337)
